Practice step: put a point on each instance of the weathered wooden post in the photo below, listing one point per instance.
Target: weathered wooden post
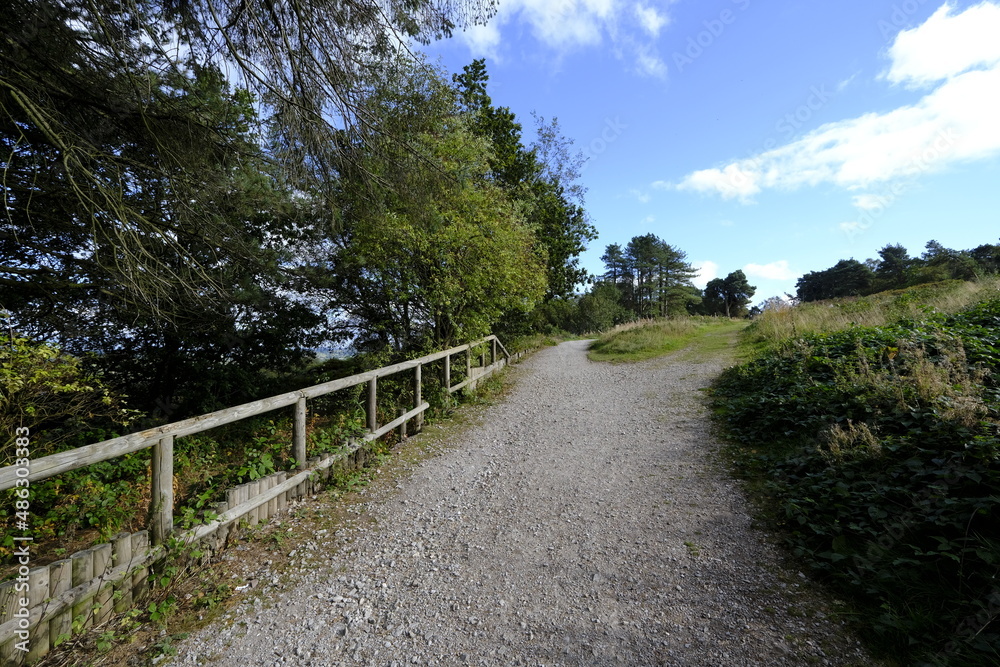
(60, 581)
(447, 373)
(372, 404)
(468, 370)
(39, 586)
(418, 421)
(161, 505)
(299, 434)
(493, 351)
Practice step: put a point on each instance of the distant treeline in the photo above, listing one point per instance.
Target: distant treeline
(896, 269)
(646, 278)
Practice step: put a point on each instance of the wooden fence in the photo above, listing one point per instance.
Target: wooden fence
(39, 608)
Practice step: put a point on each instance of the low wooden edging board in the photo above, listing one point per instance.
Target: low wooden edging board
(46, 605)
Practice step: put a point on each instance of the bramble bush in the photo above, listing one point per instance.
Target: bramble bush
(878, 451)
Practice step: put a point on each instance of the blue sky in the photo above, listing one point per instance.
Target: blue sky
(775, 137)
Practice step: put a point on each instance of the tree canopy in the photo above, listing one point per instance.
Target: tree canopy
(896, 269)
(120, 136)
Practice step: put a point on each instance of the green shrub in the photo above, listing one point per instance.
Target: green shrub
(877, 449)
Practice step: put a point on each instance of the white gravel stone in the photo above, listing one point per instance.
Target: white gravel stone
(580, 523)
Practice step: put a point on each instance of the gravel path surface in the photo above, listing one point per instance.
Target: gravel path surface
(580, 523)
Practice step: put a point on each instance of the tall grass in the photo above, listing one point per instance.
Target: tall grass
(776, 326)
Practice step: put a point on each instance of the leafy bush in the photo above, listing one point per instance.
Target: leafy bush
(878, 450)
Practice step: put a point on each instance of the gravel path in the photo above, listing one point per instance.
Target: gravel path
(580, 523)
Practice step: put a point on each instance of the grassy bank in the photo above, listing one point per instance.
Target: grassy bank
(647, 339)
(875, 450)
(777, 326)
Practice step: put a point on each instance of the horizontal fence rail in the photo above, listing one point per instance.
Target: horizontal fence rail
(85, 581)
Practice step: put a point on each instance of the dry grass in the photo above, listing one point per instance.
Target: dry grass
(779, 325)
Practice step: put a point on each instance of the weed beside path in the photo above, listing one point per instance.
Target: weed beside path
(876, 452)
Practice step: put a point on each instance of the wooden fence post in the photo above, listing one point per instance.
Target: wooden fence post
(103, 564)
(493, 351)
(83, 572)
(161, 505)
(372, 404)
(468, 370)
(418, 399)
(60, 581)
(299, 445)
(38, 579)
(122, 596)
(447, 373)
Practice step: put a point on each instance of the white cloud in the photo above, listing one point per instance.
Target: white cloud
(483, 40)
(649, 63)
(774, 271)
(628, 29)
(846, 82)
(953, 123)
(643, 197)
(651, 20)
(648, 220)
(869, 202)
(946, 45)
(734, 180)
(706, 271)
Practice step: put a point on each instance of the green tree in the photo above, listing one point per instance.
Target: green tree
(441, 251)
(600, 309)
(96, 106)
(543, 178)
(51, 394)
(848, 277)
(660, 277)
(211, 245)
(893, 268)
(737, 293)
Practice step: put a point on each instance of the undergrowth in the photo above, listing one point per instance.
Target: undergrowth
(877, 450)
(79, 508)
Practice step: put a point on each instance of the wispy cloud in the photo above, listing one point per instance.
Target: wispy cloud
(651, 20)
(642, 197)
(630, 29)
(868, 202)
(954, 122)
